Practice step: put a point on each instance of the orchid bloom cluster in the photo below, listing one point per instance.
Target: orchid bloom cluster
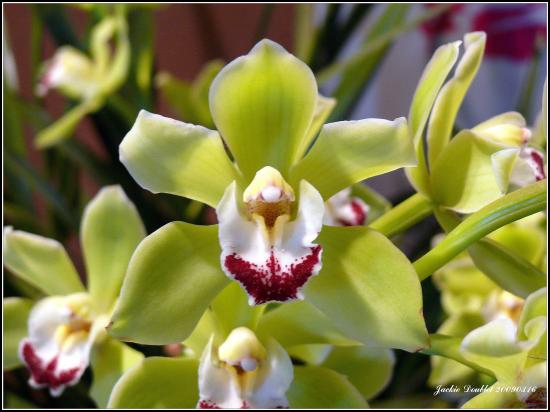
(477, 165)
(291, 299)
(87, 79)
(270, 202)
(58, 336)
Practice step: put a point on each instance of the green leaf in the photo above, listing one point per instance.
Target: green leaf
(16, 314)
(110, 360)
(263, 104)
(110, 231)
(158, 383)
(172, 277)
(513, 206)
(40, 261)
(368, 368)
(164, 155)
(369, 289)
(299, 323)
(463, 178)
(449, 100)
(348, 152)
(423, 100)
(508, 270)
(321, 388)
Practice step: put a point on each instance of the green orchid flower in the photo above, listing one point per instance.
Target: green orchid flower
(470, 299)
(89, 80)
(241, 356)
(478, 165)
(58, 336)
(515, 353)
(270, 208)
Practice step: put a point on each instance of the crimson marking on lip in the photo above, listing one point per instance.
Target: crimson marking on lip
(46, 374)
(269, 281)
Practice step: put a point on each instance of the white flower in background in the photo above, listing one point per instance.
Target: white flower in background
(343, 209)
(242, 373)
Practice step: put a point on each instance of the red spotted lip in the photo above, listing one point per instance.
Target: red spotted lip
(270, 281)
(46, 374)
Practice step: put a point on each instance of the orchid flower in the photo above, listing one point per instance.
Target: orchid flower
(470, 299)
(240, 356)
(477, 165)
(270, 206)
(57, 337)
(515, 353)
(86, 79)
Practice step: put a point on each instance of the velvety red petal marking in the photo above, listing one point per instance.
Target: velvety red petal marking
(207, 405)
(359, 215)
(45, 374)
(269, 281)
(537, 164)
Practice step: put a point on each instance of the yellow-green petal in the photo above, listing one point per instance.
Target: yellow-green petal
(369, 289)
(110, 360)
(424, 97)
(110, 231)
(40, 261)
(172, 277)
(165, 155)
(463, 178)
(299, 323)
(16, 314)
(158, 383)
(349, 152)
(263, 104)
(368, 368)
(450, 98)
(315, 387)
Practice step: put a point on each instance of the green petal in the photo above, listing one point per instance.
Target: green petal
(503, 164)
(321, 388)
(426, 92)
(535, 306)
(231, 309)
(263, 104)
(172, 277)
(368, 368)
(449, 100)
(40, 261)
(158, 383)
(463, 179)
(109, 361)
(348, 152)
(494, 347)
(323, 109)
(164, 155)
(110, 231)
(498, 396)
(16, 313)
(299, 323)
(312, 354)
(369, 289)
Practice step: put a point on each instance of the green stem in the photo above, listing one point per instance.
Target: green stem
(509, 208)
(449, 347)
(404, 215)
